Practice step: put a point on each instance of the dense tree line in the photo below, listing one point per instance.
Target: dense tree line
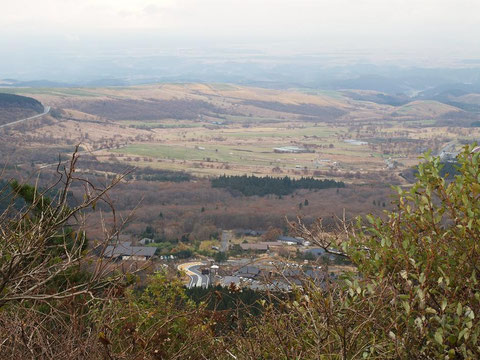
(17, 101)
(146, 110)
(14, 107)
(141, 173)
(165, 175)
(253, 185)
(309, 110)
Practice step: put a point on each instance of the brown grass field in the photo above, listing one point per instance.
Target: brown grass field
(209, 130)
(213, 129)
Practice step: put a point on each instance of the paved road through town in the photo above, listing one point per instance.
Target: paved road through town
(196, 277)
(198, 280)
(46, 110)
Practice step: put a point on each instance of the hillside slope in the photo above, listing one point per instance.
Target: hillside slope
(15, 107)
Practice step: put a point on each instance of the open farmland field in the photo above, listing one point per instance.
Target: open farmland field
(246, 150)
(208, 130)
(178, 136)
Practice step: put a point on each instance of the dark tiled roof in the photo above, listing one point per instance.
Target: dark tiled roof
(316, 251)
(296, 276)
(248, 271)
(125, 249)
(290, 239)
(260, 247)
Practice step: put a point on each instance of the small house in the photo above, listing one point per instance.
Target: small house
(254, 247)
(125, 251)
(249, 272)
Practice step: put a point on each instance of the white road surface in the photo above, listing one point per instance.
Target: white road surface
(46, 110)
(196, 277)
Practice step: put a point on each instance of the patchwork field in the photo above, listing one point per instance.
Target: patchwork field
(207, 130)
(201, 131)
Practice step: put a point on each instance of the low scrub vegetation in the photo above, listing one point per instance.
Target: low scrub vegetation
(415, 294)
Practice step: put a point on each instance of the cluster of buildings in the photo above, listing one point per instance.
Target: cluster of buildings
(124, 250)
(262, 274)
(270, 245)
(271, 276)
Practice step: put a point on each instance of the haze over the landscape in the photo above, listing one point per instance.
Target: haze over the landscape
(140, 40)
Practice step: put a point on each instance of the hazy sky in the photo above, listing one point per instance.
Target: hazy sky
(428, 31)
(406, 24)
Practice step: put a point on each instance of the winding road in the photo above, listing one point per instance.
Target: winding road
(46, 110)
(193, 271)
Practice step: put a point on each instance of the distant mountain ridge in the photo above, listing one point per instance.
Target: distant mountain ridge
(12, 83)
(394, 86)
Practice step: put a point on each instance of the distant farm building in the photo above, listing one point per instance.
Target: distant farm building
(249, 272)
(449, 153)
(125, 251)
(319, 252)
(447, 156)
(356, 142)
(391, 164)
(291, 150)
(254, 247)
(262, 246)
(145, 241)
(271, 244)
(288, 240)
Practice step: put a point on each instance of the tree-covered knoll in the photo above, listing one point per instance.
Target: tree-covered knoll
(15, 107)
(17, 101)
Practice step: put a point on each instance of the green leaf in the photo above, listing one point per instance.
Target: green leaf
(462, 333)
(421, 279)
(430, 310)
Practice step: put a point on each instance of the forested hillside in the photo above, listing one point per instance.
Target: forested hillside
(15, 107)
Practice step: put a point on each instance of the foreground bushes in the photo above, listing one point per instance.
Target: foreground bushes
(416, 295)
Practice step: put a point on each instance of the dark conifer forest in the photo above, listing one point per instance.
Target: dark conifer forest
(261, 186)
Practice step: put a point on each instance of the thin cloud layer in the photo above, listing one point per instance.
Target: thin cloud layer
(427, 28)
